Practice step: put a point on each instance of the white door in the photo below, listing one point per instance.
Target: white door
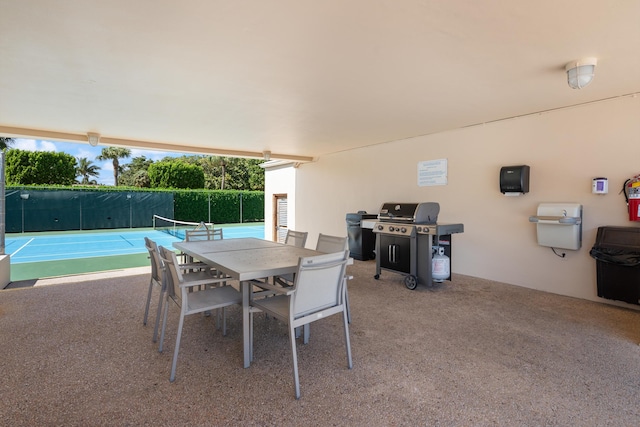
(280, 217)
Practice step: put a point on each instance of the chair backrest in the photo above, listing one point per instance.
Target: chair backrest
(296, 238)
(202, 226)
(203, 234)
(319, 283)
(156, 264)
(329, 244)
(173, 274)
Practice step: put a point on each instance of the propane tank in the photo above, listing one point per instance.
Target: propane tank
(441, 268)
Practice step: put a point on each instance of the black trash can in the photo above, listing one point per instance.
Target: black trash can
(617, 254)
(362, 241)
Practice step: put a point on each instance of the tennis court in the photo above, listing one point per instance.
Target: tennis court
(48, 254)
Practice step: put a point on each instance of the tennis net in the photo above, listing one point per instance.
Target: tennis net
(176, 228)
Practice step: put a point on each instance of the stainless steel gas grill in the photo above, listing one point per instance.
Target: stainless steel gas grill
(406, 236)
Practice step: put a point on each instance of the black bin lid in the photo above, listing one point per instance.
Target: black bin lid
(627, 238)
(617, 245)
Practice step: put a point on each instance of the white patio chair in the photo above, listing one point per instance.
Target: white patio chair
(157, 279)
(293, 238)
(203, 234)
(200, 233)
(199, 301)
(297, 239)
(317, 293)
(329, 244)
(156, 275)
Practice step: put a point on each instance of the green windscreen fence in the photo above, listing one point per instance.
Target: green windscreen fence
(61, 210)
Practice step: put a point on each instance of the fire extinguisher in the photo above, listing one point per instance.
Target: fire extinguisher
(631, 191)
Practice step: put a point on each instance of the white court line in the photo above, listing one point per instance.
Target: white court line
(23, 246)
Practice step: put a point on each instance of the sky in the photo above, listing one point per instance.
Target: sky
(78, 150)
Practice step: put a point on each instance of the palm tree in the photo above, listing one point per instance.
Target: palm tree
(86, 169)
(114, 154)
(212, 164)
(5, 143)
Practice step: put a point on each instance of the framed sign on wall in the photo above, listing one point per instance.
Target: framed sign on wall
(432, 172)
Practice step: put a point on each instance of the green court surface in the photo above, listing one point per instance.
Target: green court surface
(42, 269)
(55, 254)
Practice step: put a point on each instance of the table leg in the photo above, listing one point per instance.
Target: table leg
(246, 331)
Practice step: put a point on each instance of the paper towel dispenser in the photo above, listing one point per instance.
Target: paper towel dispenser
(559, 225)
(514, 179)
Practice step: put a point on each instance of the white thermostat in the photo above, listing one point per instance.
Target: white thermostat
(600, 186)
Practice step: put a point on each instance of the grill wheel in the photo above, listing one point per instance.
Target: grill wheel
(411, 282)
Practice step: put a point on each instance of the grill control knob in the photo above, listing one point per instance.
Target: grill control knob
(391, 228)
(403, 229)
(380, 227)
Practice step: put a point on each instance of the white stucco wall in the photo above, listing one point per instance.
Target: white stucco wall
(566, 149)
(279, 179)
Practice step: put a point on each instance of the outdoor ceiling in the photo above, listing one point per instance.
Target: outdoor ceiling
(299, 78)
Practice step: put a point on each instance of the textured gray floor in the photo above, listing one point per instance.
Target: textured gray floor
(469, 353)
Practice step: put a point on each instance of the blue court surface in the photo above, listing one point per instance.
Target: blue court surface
(58, 247)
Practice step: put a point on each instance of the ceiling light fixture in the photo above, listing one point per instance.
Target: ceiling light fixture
(93, 138)
(580, 72)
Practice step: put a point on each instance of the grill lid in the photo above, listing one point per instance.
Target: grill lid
(419, 213)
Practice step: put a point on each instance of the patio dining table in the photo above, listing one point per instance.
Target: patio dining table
(245, 260)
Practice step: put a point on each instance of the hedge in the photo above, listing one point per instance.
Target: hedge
(216, 206)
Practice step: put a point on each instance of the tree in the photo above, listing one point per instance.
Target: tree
(114, 154)
(175, 174)
(215, 171)
(232, 173)
(134, 174)
(224, 173)
(40, 167)
(141, 179)
(86, 169)
(244, 174)
(256, 174)
(5, 143)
